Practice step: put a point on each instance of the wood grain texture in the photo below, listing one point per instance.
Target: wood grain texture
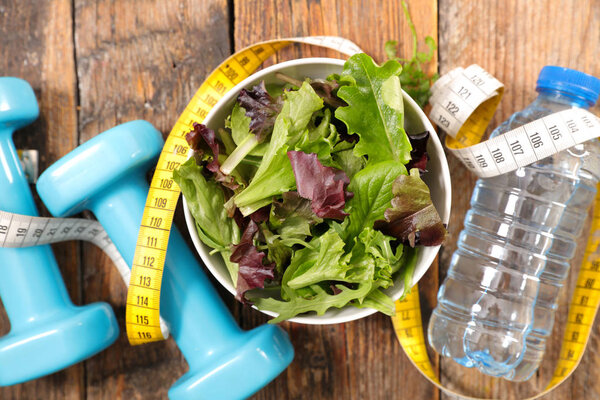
(36, 45)
(514, 39)
(361, 359)
(139, 60)
(97, 63)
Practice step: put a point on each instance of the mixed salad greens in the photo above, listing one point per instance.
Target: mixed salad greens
(312, 194)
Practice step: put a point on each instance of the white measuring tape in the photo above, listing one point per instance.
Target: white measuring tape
(530, 143)
(464, 102)
(18, 231)
(457, 95)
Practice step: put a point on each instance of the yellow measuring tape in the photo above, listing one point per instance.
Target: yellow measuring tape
(143, 297)
(584, 303)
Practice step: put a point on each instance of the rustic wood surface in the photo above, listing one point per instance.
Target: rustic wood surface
(95, 64)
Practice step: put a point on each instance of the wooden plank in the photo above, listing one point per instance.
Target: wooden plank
(513, 40)
(37, 45)
(139, 60)
(361, 359)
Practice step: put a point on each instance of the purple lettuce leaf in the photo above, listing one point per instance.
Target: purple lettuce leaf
(261, 108)
(293, 205)
(324, 186)
(418, 154)
(204, 142)
(252, 272)
(412, 218)
(259, 216)
(327, 90)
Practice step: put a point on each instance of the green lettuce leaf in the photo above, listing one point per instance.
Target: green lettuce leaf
(412, 217)
(317, 297)
(347, 161)
(278, 252)
(274, 175)
(378, 300)
(206, 203)
(375, 109)
(292, 218)
(403, 261)
(380, 248)
(343, 158)
(374, 247)
(319, 301)
(239, 124)
(372, 188)
(408, 262)
(319, 139)
(323, 276)
(327, 266)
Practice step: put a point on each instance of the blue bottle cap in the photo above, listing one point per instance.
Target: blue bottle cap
(569, 81)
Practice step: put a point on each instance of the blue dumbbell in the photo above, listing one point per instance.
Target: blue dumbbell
(48, 332)
(107, 175)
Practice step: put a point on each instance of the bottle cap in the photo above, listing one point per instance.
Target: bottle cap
(570, 81)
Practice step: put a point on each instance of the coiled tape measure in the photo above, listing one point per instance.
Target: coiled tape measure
(464, 102)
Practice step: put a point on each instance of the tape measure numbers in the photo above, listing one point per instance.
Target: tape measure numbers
(143, 297)
(25, 231)
(456, 96)
(463, 103)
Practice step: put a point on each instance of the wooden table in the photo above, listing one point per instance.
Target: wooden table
(95, 64)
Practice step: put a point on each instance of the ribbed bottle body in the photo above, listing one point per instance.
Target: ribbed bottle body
(496, 306)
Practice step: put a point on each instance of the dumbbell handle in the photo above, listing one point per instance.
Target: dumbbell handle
(16, 195)
(31, 286)
(197, 318)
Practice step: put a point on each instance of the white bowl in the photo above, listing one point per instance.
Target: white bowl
(437, 178)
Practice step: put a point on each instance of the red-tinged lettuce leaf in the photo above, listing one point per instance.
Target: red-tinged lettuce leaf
(203, 141)
(274, 176)
(318, 297)
(292, 206)
(259, 216)
(418, 154)
(327, 90)
(240, 220)
(292, 218)
(261, 108)
(252, 272)
(412, 218)
(239, 123)
(324, 186)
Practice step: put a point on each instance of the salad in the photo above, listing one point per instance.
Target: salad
(312, 193)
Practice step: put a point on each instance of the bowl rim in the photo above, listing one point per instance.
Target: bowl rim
(420, 269)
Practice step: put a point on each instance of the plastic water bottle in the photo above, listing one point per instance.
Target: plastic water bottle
(496, 307)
